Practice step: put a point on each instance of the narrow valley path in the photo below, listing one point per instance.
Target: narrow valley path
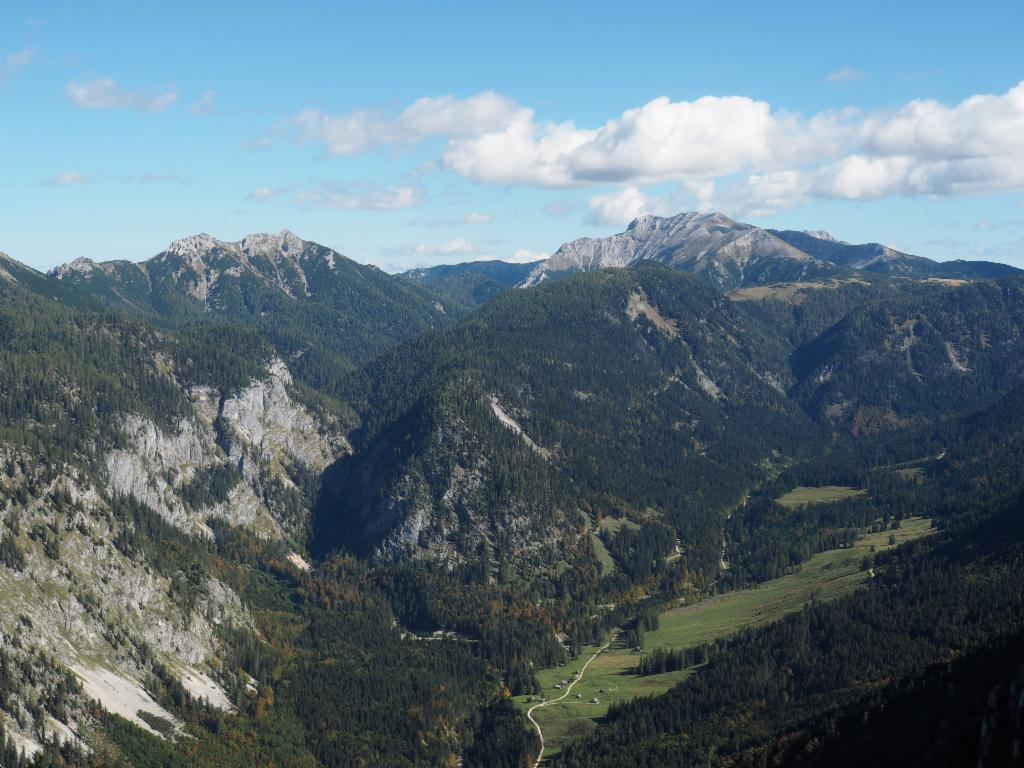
(568, 689)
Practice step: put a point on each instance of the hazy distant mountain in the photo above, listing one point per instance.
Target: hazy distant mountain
(875, 257)
(722, 252)
(472, 283)
(729, 254)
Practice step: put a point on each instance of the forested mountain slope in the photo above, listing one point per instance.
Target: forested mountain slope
(921, 668)
(118, 442)
(155, 486)
(322, 311)
(470, 284)
(913, 357)
(509, 473)
(637, 391)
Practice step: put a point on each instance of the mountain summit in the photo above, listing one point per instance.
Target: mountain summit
(197, 263)
(308, 298)
(729, 254)
(724, 252)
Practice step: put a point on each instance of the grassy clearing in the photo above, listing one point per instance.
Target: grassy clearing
(613, 524)
(610, 677)
(794, 293)
(804, 495)
(610, 525)
(603, 557)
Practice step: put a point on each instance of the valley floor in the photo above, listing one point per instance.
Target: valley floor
(609, 676)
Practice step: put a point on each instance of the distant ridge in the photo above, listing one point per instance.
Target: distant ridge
(730, 254)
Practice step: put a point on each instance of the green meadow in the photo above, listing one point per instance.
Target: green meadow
(610, 677)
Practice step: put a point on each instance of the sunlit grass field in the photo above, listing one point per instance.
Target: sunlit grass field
(610, 677)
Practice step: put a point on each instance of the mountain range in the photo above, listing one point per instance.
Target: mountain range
(263, 504)
(729, 255)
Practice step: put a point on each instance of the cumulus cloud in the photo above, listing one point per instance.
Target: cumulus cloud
(105, 93)
(460, 246)
(362, 129)
(732, 152)
(492, 138)
(844, 75)
(450, 116)
(662, 140)
(68, 178)
(361, 196)
(623, 206)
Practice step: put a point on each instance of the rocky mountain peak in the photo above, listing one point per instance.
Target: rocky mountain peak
(709, 243)
(266, 244)
(194, 246)
(81, 265)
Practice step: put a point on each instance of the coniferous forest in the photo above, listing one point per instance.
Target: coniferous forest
(358, 524)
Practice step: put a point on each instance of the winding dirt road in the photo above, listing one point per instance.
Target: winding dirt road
(568, 689)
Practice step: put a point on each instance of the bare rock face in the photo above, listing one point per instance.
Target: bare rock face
(442, 510)
(270, 427)
(727, 253)
(76, 596)
(260, 430)
(80, 593)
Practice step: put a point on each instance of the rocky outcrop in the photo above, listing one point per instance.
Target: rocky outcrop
(723, 252)
(261, 431)
(78, 600)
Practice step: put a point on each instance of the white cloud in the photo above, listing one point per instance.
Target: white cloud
(460, 246)
(662, 140)
(343, 135)
(68, 178)
(844, 75)
(478, 218)
(449, 116)
(523, 256)
(491, 138)
(362, 129)
(362, 195)
(923, 148)
(622, 207)
(204, 105)
(104, 93)
(732, 152)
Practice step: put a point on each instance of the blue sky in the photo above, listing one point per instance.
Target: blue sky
(406, 134)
